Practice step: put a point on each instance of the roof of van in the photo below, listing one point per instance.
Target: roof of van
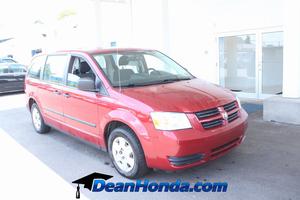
(111, 50)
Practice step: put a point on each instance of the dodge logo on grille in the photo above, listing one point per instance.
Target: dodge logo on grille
(224, 115)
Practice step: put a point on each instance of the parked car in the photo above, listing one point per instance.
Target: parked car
(139, 105)
(12, 76)
(7, 60)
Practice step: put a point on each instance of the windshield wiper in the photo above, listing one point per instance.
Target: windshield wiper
(135, 85)
(130, 85)
(170, 80)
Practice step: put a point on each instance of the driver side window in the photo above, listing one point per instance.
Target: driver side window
(79, 68)
(73, 73)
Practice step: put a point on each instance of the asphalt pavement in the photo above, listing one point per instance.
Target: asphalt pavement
(265, 166)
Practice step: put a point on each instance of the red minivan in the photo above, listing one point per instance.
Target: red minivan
(141, 106)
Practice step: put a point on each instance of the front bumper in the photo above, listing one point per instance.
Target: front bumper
(182, 149)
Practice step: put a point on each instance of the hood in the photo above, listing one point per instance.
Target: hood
(182, 96)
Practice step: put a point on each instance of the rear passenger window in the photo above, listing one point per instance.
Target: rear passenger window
(36, 65)
(55, 69)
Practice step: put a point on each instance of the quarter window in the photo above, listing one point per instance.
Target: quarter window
(55, 68)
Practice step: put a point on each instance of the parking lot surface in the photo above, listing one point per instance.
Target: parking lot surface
(265, 166)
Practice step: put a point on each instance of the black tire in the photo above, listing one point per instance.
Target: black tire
(43, 128)
(140, 167)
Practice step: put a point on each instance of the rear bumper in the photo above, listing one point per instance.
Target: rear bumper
(187, 148)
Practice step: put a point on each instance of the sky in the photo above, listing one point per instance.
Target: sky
(14, 11)
(15, 15)
(17, 19)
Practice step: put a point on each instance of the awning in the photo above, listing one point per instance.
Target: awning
(4, 40)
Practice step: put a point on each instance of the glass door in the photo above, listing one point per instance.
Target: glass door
(237, 61)
(272, 64)
(251, 64)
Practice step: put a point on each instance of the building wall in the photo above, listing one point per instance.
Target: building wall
(186, 30)
(194, 26)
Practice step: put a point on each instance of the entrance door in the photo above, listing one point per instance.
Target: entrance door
(251, 64)
(271, 65)
(237, 60)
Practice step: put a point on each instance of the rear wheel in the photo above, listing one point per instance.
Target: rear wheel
(37, 120)
(126, 153)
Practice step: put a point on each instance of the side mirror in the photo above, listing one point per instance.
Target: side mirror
(86, 84)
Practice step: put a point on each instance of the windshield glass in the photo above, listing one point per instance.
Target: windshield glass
(140, 68)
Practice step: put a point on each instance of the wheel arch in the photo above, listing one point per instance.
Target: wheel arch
(32, 99)
(110, 126)
(30, 102)
(118, 118)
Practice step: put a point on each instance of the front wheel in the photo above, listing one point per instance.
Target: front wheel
(37, 120)
(126, 153)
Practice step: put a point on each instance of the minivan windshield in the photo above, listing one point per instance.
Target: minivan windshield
(140, 68)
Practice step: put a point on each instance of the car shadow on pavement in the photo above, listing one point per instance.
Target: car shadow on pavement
(10, 93)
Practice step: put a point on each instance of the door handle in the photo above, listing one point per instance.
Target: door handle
(56, 92)
(67, 95)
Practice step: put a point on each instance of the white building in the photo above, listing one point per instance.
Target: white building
(238, 44)
(249, 46)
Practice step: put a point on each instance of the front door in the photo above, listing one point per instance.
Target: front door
(251, 64)
(81, 107)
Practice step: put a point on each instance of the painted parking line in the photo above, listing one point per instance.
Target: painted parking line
(23, 176)
(11, 101)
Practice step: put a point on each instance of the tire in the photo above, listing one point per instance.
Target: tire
(122, 135)
(37, 120)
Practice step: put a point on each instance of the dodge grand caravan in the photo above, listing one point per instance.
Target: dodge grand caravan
(139, 105)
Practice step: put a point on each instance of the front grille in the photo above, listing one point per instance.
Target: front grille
(212, 124)
(230, 106)
(233, 116)
(212, 118)
(207, 113)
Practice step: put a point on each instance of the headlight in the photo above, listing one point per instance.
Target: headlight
(168, 121)
(238, 101)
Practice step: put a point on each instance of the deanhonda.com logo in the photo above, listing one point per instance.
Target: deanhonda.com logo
(97, 182)
(145, 185)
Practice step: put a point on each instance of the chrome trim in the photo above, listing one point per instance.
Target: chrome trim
(70, 117)
(55, 112)
(80, 121)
